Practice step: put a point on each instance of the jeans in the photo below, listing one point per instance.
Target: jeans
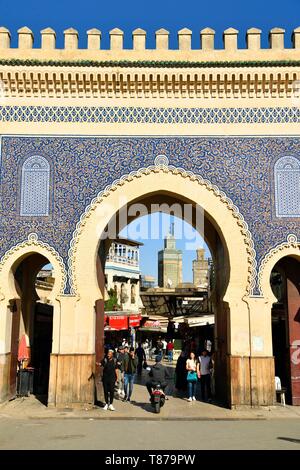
(170, 356)
(128, 384)
(192, 388)
(120, 381)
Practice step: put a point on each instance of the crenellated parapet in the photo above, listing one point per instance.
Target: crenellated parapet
(139, 72)
(277, 40)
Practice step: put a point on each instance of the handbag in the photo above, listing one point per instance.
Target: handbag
(145, 365)
(192, 376)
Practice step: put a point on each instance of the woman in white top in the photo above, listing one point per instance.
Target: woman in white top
(191, 367)
(145, 346)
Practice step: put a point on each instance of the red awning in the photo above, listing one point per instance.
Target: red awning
(118, 322)
(134, 320)
(122, 322)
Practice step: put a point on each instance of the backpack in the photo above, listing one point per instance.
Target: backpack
(105, 361)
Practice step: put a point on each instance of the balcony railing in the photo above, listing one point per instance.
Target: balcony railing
(122, 260)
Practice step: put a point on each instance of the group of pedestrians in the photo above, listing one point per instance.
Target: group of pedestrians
(190, 369)
(163, 348)
(120, 369)
(118, 373)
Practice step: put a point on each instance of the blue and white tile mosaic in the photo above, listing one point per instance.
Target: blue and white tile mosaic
(242, 167)
(131, 115)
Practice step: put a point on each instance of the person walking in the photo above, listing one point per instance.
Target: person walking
(203, 369)
(109, 378)
(130, 367)
(191, 367)
(159, 347)
(170, 349)
(140, 353)
(120, 371)
(181, 373)
(146, 347)
(164, 348)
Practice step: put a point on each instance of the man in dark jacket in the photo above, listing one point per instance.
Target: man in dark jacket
(130, 366)
(140, 353)
(157, 374)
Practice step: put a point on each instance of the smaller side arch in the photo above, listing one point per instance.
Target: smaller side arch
(23, 249)
(291, 247)
(18, 303)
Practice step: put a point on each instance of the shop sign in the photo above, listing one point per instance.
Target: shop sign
(118, 322)
(152, 324)
(134, 320)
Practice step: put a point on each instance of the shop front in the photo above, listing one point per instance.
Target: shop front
(119, 327)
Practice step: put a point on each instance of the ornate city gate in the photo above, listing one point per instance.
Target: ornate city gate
(84, 129)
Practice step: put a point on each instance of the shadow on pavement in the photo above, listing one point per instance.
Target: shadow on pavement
(289, 439)
(144, 406)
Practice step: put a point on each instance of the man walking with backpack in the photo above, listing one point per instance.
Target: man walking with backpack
(120, 371)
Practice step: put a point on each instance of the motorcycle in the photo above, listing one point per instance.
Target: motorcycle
(158, 398)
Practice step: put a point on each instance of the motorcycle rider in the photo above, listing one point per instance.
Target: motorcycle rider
(158, 374)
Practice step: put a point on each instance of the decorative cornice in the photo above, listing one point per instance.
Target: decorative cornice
(90, 79)
(33, 242)
(292, 242)
(161, 165)
(149, 63)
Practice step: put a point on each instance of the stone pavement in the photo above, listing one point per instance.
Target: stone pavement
(176, 408)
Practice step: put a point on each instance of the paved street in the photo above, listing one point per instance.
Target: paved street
(25, 423)
(176, 408)
(155, 435)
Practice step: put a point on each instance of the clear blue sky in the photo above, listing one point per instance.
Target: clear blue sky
(157, 225)
(130, 14)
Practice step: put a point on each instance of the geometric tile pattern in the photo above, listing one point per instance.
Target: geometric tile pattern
(35, 187)
(161, 164)
(287, 187)
(115, 114)
(82, 166)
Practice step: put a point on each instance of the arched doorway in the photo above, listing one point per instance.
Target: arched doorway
(214, 239)
(34, 282)
(285, 284)
(30, 309)
(228, 239)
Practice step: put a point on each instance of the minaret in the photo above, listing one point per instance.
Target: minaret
(170, 262)
(200, 269)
